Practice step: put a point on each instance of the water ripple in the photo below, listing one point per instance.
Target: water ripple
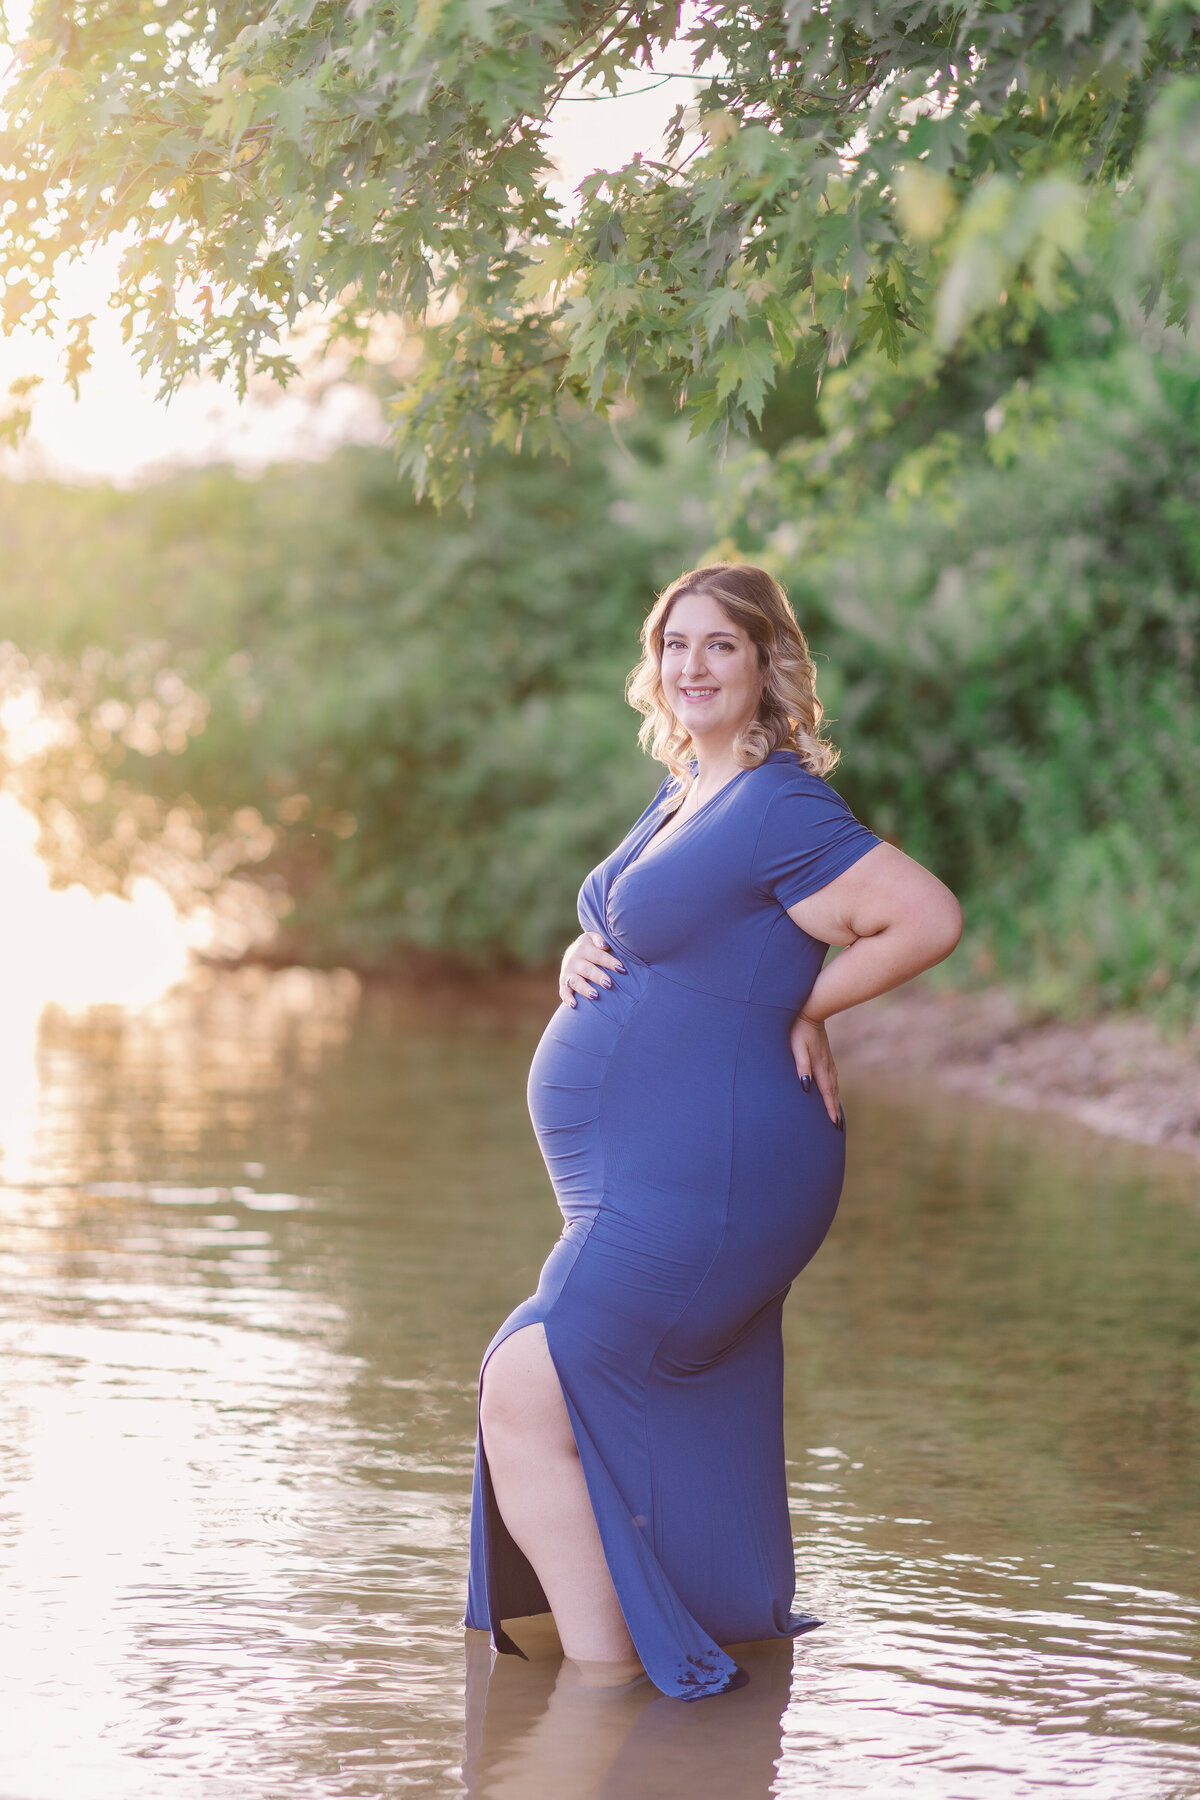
(241, 1319)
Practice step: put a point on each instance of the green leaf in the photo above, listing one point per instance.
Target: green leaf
(884, 318)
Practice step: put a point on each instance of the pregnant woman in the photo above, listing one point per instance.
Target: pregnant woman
(629, 1473)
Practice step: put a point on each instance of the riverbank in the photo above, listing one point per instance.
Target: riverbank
(1116, 1074)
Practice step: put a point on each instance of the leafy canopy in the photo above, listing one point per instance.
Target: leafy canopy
(856, 174)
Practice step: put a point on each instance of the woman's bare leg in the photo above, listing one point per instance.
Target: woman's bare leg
(543, 1499)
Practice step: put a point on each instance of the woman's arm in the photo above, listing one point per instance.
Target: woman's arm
(896, 919)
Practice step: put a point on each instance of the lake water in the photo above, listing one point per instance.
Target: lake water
(255, 1239)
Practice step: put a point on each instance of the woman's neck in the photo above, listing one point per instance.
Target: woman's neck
(715, 765)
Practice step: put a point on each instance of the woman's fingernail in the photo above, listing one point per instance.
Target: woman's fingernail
(574, 1002)
(605, 979)
(806, 1083)
(621, 967)
(841, 1123)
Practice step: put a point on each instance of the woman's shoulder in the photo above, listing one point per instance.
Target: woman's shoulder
(793, 797)
(807, 834)
(783, 771)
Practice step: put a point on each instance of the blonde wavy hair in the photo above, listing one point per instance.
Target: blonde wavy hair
(789, 715)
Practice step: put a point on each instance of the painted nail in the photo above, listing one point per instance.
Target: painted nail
(841, 1124)
(574, 1002)
(806, 1083)
(606, 980)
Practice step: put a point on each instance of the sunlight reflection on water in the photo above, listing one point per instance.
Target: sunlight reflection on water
(258, 1234)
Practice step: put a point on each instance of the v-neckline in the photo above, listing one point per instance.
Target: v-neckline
(640, 853)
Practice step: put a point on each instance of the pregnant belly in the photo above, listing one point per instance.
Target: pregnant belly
(566, 1079)
(684, 1109)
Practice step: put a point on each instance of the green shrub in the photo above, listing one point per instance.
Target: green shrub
(1012, 616)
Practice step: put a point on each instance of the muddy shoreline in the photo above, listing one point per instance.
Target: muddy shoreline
(1116, 1074)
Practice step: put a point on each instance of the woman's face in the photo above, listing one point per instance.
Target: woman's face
(710, 673)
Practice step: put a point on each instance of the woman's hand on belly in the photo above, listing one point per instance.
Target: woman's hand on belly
(586, 961)
(814, 1063)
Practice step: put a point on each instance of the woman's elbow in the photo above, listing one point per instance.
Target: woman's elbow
(944, 926)
(921, 913)
(931, 921)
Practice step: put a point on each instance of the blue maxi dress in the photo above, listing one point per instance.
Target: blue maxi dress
(696, 1179)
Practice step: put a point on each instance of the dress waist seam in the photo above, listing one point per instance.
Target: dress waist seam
(729, 999)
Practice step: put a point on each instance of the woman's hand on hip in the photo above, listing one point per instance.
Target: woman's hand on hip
(586, 961)
(815, 1064)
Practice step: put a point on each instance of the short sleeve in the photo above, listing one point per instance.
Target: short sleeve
(808, 836)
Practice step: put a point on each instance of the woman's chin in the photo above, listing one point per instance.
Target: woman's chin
(699, 719)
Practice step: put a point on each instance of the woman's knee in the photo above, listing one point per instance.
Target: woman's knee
(520, 1395)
